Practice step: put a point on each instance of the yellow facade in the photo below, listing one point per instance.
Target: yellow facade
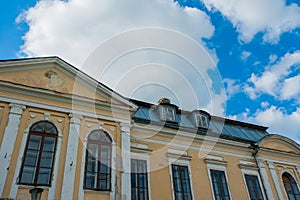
(50, 90)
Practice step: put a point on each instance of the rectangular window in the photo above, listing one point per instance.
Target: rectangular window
(181, 182)
(139, 180)
(167, 114)
(253, 187)
(219, 185)
(201, 120)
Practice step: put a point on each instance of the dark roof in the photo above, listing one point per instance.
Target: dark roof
(218, 126)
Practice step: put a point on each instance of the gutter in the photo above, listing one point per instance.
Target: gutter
(256, 148)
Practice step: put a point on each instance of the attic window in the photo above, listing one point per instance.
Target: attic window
(167, 113)
(201, 120)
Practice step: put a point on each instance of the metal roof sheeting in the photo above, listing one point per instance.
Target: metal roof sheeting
(225, 128)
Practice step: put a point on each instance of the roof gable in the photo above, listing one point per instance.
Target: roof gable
(279, 143)
(52, 73)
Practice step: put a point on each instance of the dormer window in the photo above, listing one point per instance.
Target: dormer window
(201, 120)
(167, 113)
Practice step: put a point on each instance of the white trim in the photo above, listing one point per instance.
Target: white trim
(143, 156)
(280, 161)
(247, 171)
(183, 146)
(64, 110)
(266, 180)
(51, 190)
(211, 165)
(183, 162)
(113, 167)
(275, 179)
(71, 158)
(8, 142)
(126, 162)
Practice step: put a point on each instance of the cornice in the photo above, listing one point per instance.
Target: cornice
(185, 135)
(60, 97)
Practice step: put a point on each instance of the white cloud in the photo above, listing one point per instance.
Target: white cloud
(280, 122)
(74, 28)
(264, 104)
(291, 88)
(232, 87)
(272, 58)
(271, 17)
(276, 80)
(245, 55)
(277, 119)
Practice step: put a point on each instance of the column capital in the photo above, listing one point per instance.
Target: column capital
(75, 119)
(271, 165)
(16, 108)
(125, 127)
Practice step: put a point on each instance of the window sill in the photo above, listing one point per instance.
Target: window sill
(97, 191)
(33, 186)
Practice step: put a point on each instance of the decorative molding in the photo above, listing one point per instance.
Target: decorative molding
(32, 115)
(75, 119)
(177, 152)
(62, 109)
(60, 120)
(139, 145)
(101, 125)
(16, 108)
(47, 116)
(214, 157)
(215, 162)
(245, 164)
(125, 127)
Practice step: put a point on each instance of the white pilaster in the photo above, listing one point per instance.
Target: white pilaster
(8, 142)
(126, 167)
(275, 179)
(265, 180)
(71, 157)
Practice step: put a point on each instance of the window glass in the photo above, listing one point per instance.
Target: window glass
(290, 186)
(38, 159)
(98, 161)
(139, 180)
(253, 187)
(181, 182)
(219, 183)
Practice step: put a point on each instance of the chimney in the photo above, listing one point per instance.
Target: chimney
(164, 100)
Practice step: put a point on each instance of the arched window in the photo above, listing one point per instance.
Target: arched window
(38, 159)
(98, 161)
(290, 186)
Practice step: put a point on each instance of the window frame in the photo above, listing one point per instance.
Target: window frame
(167, 109)
(99, 145)
(40, 152)
(249, 168)
(138, 174)
(220, 182)
(259, 186)
(215, 162)
(292, 181)
(199, 120)
(179, 157)
(181, 180)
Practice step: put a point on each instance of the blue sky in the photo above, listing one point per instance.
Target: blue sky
(256, 44)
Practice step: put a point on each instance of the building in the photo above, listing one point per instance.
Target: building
(66, 133)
